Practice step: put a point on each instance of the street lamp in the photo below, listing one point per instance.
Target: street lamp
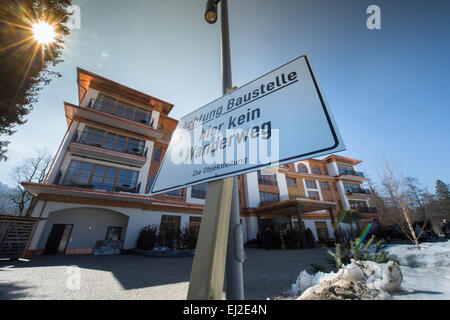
(211, 11)
(234, 279)
(43, 32)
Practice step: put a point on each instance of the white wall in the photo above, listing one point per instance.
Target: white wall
(91, 94)
(62, 153)
(143, 172)
(137, 219)
(252, 227)
(282, 186)
(189, 198)
(252, 189)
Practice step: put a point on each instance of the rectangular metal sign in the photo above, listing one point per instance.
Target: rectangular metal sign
(276, 119)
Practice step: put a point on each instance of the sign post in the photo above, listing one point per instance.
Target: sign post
(276, 119)
(217, 225)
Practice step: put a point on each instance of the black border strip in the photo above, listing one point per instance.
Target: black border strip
(251, 169)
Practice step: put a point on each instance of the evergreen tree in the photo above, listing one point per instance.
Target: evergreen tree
(443, 196)
(24, 63)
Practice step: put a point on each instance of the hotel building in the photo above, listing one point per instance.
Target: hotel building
(116, 138)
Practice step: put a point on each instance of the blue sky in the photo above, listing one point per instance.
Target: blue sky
(388, 89)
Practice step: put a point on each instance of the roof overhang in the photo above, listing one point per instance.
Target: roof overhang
(77, 112)
(86, 79)
(62, 192)
(335, 158)
(289, 207)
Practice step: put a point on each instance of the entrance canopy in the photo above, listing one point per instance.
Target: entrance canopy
(295, 205)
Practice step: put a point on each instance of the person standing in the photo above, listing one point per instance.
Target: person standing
(445, 228)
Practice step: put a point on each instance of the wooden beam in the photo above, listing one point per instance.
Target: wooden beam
(208, 268)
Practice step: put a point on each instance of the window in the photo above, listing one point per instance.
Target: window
(111, 141)
(316, 170)
(357, 205)
(114, 233)
(171, 223)
(142, 116)
(311, 184)
(324, 185)
(199, 191)
(126, 180)
(120, 144)
(156, 154)
(78, 174)
(92, 137)
(104, 103)
(194, 223)
(135, 146)
(302, 168)
(98, 177)
(269, 196)
(122, 109)
(150, 183)
(314, 195)
(269, 179)
(175, 193)
(343, 169)
(291, 182)
(322, 231)
(110, 177)
(352, 187)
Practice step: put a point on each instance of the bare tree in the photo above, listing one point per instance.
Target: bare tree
(33, 169)
(397, 194)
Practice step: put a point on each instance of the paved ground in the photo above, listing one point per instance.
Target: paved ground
(267, 273)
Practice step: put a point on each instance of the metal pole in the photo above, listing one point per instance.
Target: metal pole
(234, 278)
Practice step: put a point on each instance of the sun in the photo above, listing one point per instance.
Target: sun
(44, 32)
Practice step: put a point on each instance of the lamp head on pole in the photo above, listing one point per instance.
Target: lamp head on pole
(211, 11)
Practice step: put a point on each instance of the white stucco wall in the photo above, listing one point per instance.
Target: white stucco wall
(91, 94)
(252, 189)
(252, 227)
(282, 186)
(137, 219)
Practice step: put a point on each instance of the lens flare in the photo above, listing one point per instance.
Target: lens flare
(44, 32)
(363, 235)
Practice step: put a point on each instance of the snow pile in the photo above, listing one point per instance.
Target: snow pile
(426, 272)
(430, 255)
(364, 280)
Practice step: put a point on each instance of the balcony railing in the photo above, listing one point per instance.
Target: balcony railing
(351, 173)
(357, 190)
(60, 180)
(364, 209)
(134, 151)
(144, 118)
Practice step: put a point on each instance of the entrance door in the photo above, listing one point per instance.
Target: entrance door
(322, 231)
(58, 238)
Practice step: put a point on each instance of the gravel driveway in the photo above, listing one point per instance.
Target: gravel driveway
(267, 273)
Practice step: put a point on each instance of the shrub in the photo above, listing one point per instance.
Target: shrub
(189, 238)
(147, 238)
(343, 253)
(168, 237)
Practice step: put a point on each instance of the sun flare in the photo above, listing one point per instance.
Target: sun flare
(44, 32)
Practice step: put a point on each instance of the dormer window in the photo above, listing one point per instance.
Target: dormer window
(302, 168)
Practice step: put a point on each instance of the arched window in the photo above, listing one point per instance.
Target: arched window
(316, 170)
(302, 168)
